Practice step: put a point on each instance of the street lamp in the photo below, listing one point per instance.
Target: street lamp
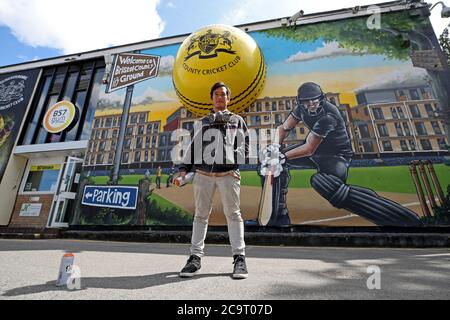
(445, 13)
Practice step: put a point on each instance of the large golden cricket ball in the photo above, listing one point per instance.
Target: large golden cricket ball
(218, 53)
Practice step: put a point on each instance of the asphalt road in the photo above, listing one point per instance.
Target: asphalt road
(112, 270)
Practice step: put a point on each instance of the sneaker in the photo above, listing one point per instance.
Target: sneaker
(191, 268)
(240, 267)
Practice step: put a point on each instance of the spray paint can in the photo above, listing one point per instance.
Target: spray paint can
(65, 269)
(180, 182)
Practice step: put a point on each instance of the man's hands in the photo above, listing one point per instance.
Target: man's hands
(273, 161)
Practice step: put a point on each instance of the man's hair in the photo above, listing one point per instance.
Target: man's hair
(220, 85)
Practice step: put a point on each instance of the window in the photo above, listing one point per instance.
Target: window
(364, 131)
(414, 94)
(421, 129)
(406, 127)
(147, 142)
(426, 145)
(302, 130)
(102, 146)
(139, 143)
(378, 113)
(137, 156)
(266, 118)
(142, 118)
(412, 145)
(104, 134)
(442, 144)
(125, 157)
(394, 113)
(115, 133)
(141, 129)
(274, 106)
(415, 112)
(256, 121)
(133, 119)
(99, 159)
(278, 119)
(108, 123)
(368, 146)
(156, 128)
(163, 141)
(71, 82)
(161, 155)
(400, 112)
(387, 146)
(258, 107)
(436, 127)
(403, 145)
(288, 105)
(127, 144)
(382, 130)
(42, 178)
(402, 96)
(129, 131)
(430, 110)
(399, 129)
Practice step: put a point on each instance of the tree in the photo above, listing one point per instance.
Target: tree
(444, 40)
(392, 40)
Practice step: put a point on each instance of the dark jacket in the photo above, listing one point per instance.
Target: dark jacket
(217, 147)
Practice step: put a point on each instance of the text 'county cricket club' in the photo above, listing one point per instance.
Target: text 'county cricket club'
(11, 91)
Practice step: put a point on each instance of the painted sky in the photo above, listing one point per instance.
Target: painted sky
(38, 29)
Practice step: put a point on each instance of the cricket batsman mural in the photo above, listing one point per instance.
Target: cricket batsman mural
(328, 146)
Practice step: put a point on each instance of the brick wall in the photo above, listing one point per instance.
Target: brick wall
(32, 222)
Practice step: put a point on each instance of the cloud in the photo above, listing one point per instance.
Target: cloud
(152, 95)
(81, 25)
(166, 66)
(329, 50)
(405, 76)
(170, 5)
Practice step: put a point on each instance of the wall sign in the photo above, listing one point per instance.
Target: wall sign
(30, 210)
(60, 117)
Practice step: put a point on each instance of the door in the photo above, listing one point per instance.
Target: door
(64, 200)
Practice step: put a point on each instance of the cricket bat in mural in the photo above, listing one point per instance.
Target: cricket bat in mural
(265, 203)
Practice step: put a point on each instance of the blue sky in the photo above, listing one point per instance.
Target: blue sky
(38, 29)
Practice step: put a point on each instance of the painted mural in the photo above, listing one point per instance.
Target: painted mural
(367, 111)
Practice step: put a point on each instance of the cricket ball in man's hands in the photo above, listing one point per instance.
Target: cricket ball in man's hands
(218, 53)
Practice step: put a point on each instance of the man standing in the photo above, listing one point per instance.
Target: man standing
(220, 144)
(328, 146)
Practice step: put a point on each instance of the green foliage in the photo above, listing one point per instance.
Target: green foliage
(444, 40)
(354, 35)
(162, 212)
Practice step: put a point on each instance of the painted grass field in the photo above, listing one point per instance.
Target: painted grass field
(383, 179)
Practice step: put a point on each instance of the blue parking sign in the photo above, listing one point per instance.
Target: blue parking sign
(119, 197)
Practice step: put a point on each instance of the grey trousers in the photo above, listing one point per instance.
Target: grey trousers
(229, 189)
